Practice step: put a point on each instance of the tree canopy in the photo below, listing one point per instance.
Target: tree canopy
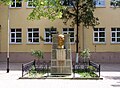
(51, 9)
(6, 2)
(81, 11)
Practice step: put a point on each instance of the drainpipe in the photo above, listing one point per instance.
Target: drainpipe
(8, 40)
(0, 38)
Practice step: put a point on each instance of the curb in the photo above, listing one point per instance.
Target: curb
(77, 78)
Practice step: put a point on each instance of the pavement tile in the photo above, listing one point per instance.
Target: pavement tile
(109, 72)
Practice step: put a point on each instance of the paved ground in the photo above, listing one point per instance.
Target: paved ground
(109, 72)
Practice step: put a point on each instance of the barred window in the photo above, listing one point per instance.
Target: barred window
(48, 34)
(15, 35)
(99, 35)
(71, 32)
(68, 2)
(16, 4)
(30, 4)
(115, 3)
(115, 35)
(99, 3)
(33, 35)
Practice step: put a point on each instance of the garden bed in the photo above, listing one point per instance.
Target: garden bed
(80, 71)
(77, 76)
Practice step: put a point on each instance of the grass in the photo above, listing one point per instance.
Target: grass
(86, 74)
(35, 74)
(83, 73)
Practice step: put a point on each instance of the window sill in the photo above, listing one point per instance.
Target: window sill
(30, 7)
(15, 7)
(99, 43)
(52, 43)
(100, 6)
(115, 43)
(15, 43)
(32, 43)
(114, 7)
(47, 43)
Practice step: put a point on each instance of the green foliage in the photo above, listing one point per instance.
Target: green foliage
(32, 72)
(32, 69)
(91, 68)
(87, 74)
(82, 12)
(38, 53)
(50, 9)
(6, 2)
(53, 9)
(85, 53)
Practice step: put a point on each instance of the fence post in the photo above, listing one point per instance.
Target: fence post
(99, 70)
(89, 62)
(8, 65)
(22, 70)
(47, 70)
(73, 71)
(34, 63)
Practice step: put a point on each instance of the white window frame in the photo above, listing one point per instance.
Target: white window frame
(50, 42)
(15, 38)
(99, 3)
(68, 32)
(69, 4)
(28, 4)
(115, 3)
(116, 30)
(16, 4)
(98, 37)
(32, 38)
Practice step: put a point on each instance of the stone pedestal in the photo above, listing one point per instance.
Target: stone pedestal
(61, 61)
(60, 65)
(61, 56)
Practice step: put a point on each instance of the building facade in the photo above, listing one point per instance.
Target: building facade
(19, 36)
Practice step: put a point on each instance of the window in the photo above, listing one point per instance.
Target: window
(16, 4)
(67, 2)
(99, 35)
(115, 3)
(99, 3)
(16, 35)
(33, 35)
(48, 34)
(115, 35)
(30, 4)
(71, 32)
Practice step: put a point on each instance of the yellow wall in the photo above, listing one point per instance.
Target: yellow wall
(18, 19)
(3, 23)
(108, 16)
(0, 38)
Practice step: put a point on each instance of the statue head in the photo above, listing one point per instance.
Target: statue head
(60, 41)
